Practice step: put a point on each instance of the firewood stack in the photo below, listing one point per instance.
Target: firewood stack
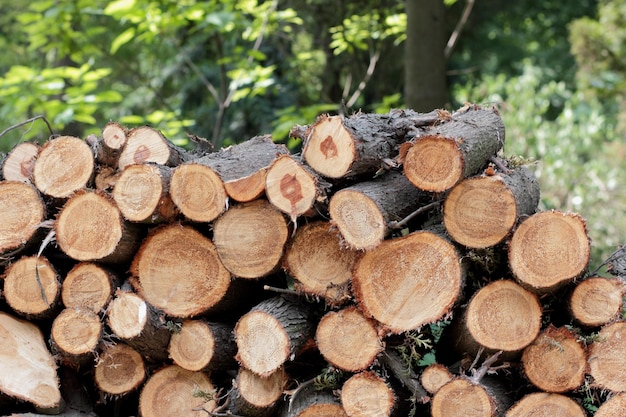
(398, 266)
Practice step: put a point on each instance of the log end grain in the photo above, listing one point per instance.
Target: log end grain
(434, 163)
(27, 369)
(329, 148)
(480, 212)
(145, 144)
(88, 285)
(555, 361)
(20, 162)
(178, 270)
(76, 333)
(248, 188)
(596, 301)
(119, 370)
(198, 192)
(367, 394)
(460, 398)
(22, 212)
(549, 249)
(173, 391)
(290, 187)
(613, 407)
(127, 315)
(359, 219)
(320, 264)
(408, 282)
(607, 363)
(348, 340)
(434, 377)
(503, 316)
(31, 286)
(193, 345)
(545, 405)
(255, 395)
(250, 238)
(64, 165)
(139, 191)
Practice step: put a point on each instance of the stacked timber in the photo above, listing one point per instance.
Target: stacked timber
(399, 266)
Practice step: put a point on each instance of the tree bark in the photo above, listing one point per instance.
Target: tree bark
(75, 335)
(389, 280)
(23, 211)
(119, 370)
(142, 194)
(19, 163)
(555, 361)
(454, 149)
(201, 345)
(548, 250)
(178, 270)
(250, 238)
(89, 285)
(362, 212)
(272, 333)
(425, 79)
(320, 263)
(481, 211)
(607, 363)
(64, 165)
(366, 394)
(256, 396)
(348, 340)
(542, 403)
(27, 370)
(90, 227)
(596, 301)
(173, 392)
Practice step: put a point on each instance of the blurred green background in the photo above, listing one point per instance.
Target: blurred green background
(228, 70)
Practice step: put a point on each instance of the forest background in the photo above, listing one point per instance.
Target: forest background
(227, 70)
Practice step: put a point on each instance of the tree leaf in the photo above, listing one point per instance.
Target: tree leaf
(119, 6)
(122, 39)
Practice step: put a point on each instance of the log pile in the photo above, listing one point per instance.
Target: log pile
(398, 266)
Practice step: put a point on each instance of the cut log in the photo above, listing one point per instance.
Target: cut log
(337, 146)
(88, 285)
(271, 333)
(320, 264)
(348, 340)
(613, 407)
(291, 188)
(250, 238)
(309, 402)
(454, 149)
(555, 361)
(501, 316)
(463, 397)
(146, 144)
(362, 212)
(178, 270)
(75, 336)
(90, 227)
(142, 193)
(23, 211)
(19, 163)
(549, 249)
(201, 345)
(109, 146)
(198, 192)
(434, 377)
(174, 392)
(106, 178)
(243, 167)
(139, 325)
(607, 363)
(366, 394)
(540, 404)
(408, 282)
(596, 301)
(63, 166)
(119, 370)
(28, 371)
(32, 287)
(481, 211)
(256, 396)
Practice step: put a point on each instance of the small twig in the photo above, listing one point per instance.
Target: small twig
(621, 251)
(32, 119)
(498, 163)
(368, 74)
(401, 223)
(452, 41)
(280, 290)
(479, 373)
(49, 238)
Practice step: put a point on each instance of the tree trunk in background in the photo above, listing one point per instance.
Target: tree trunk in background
(424, 62)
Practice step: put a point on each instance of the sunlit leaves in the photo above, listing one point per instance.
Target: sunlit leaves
(358, 31)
